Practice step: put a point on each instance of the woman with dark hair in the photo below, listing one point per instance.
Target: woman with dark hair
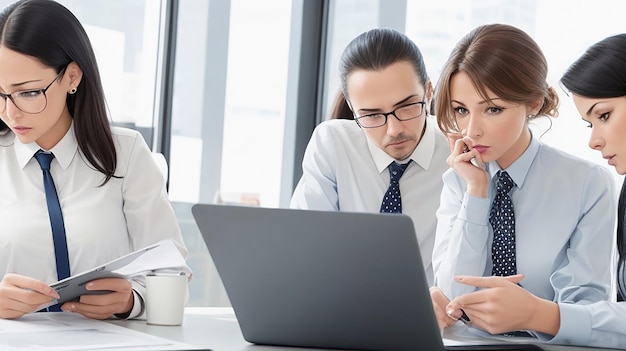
(597, 82)
(102, 195)
(391, 158)
(533, 217)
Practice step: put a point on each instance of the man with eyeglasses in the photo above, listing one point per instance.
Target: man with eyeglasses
(392, 157)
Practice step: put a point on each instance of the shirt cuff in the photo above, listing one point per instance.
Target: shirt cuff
(475, 209)
(137, 310)
(575, 328)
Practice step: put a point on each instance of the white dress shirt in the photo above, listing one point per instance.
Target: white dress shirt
(564, 227)
(344, 171)
(102, 222)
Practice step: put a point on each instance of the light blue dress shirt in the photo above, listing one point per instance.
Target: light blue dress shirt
(565, 210)
(601, 324)
(344, 171)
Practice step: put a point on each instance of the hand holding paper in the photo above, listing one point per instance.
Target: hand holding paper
(20, 295)
(118, 299)
(161, 256)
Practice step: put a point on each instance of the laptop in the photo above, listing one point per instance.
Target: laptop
(324, 279)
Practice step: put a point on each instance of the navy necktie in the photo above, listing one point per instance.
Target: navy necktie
(56, 219)
(502, 219)
(392, 202)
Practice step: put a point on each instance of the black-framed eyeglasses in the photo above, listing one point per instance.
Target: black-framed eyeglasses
(403, 113)
(28, 101)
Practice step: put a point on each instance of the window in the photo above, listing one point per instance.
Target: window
(125, 37)
(228, 116)
(240, 131)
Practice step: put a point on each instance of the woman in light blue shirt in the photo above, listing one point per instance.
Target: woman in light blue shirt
(597, 81)
(547, 232)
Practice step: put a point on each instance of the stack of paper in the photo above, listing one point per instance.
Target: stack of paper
(70, 331)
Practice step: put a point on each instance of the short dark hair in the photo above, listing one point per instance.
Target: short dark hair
(48, 31)
(378, 49)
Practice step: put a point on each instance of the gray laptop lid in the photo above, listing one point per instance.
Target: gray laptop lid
(321, 279)
(324, 279)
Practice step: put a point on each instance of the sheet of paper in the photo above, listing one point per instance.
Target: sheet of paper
(164, 257)
(460, 334)
(160, 257)
(69, 331)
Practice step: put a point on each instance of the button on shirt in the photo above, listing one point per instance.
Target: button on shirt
(102, 222)
(565, 216)
(344, 171)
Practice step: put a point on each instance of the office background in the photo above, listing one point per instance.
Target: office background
(230, 90)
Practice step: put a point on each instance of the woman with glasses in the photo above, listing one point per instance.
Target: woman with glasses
(532, 216)
(392, 157)
(75, 193)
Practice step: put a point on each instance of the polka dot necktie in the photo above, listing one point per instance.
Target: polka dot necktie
(392, 203)
(502, 220)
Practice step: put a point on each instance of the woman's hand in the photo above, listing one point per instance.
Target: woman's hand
(503, 306)
(20, 295)
(118, 301)
(460, 159)
(440, 303)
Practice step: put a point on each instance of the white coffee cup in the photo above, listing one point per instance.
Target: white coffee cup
(165, 298)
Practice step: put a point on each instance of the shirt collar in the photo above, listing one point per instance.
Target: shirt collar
(63, 151)
(518, 170)
(422, 155)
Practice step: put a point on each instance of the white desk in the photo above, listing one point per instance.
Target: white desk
(213, 328)
(216, 328)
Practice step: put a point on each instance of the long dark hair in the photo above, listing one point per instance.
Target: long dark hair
(377, 49)
(500, 58)
(48, 31)
(601, 73)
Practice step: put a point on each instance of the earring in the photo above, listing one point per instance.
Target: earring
(73, 91)
(530, 116)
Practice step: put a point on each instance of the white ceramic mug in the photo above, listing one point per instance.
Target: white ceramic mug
(165, 298)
